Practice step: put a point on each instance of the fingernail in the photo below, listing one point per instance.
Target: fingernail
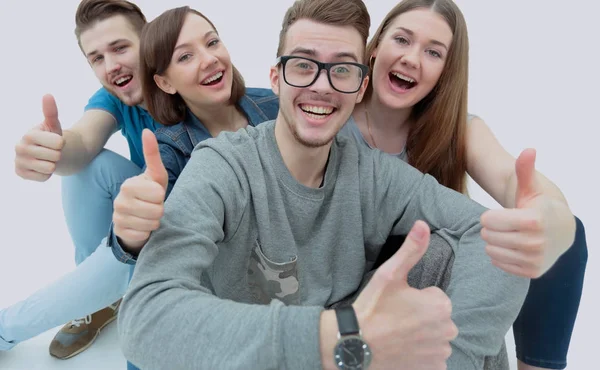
(417, 233)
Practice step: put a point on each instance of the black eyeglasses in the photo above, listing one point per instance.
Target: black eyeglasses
(345, 77)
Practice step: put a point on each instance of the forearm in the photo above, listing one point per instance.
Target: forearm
(437, 205)
(74, 155)
(204, 332)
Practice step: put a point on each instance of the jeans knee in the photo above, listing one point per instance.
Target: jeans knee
(105, 172)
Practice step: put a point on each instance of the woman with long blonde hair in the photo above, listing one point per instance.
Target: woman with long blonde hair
(416, 109)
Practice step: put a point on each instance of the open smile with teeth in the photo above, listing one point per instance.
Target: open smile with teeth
(122, 81)
(316, 112)
(402, 81)
(214, 79)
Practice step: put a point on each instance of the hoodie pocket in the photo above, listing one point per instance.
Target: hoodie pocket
(270, 280)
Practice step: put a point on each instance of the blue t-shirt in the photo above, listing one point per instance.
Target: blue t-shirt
(131, 120)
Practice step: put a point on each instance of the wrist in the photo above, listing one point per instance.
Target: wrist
(328, 338)
(132, 248)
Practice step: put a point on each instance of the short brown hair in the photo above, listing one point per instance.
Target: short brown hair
(351, 13)
(436, 142)
(157, 45)
(90, 12)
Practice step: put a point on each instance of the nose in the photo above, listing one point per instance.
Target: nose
(112, 64)
(411, 58)
(208, 60)
(321, 84)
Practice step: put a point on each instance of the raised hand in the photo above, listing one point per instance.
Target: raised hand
(140, 203)
(40, 148)
(528, 239)
(406, 328)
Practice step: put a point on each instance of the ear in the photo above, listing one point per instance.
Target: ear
(363, 88)
(163, 84)
(274, 78)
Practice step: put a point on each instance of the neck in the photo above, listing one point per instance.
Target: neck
(306, 165)
(219, 118)
(385, 119)
(384, 128)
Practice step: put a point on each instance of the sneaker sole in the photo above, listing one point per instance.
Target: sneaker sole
(90, 343)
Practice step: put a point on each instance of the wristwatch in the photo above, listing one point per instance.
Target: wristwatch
(351, 351)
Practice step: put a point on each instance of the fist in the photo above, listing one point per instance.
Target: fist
(40, 148)
(140, 204)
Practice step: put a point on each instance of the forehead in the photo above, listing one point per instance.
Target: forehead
(424, 22)
(194, 27)
(100, 35)
(326, 40)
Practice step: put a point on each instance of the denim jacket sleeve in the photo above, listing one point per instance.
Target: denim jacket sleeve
(174, 161)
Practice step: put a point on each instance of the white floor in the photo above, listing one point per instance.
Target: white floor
(104, 354)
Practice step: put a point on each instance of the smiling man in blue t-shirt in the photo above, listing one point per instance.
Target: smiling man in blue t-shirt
(108, 35)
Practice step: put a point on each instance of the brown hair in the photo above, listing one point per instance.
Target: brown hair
(436, 142)
(332, 12)
(90, 12)
(157, 45)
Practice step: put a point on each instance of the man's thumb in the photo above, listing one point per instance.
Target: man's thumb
(50, 111)
(410, 253)
(526, 181)
(154, 166)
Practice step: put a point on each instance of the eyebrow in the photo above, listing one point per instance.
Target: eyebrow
(187, 44)
(313, 53)
(113, 43)
(411, 33)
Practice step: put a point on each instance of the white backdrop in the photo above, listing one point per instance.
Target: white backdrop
(533, 78)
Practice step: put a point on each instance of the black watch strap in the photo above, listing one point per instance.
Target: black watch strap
(347, 321)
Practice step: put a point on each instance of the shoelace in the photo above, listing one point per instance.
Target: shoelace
(78, 322)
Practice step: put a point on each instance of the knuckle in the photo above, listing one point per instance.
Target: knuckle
(19, 149)
(535, 223)
(446, 351)
(117, 220)
(453, 331)
(443, 308)
(119, 206)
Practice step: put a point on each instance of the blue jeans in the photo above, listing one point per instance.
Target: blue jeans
(99, 279)
(544, 326)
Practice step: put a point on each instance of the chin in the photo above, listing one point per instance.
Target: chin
(314, 140)
(393, 101)
(131, 100)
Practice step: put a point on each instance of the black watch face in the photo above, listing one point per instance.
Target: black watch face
(352, 353)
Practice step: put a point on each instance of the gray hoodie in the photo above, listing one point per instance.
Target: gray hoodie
(246, 258)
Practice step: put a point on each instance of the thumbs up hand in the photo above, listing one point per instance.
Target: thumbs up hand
(528, 239)
(40, 148)
(140, 204)
(408, 328)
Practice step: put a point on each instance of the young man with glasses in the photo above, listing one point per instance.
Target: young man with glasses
(268, 233)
